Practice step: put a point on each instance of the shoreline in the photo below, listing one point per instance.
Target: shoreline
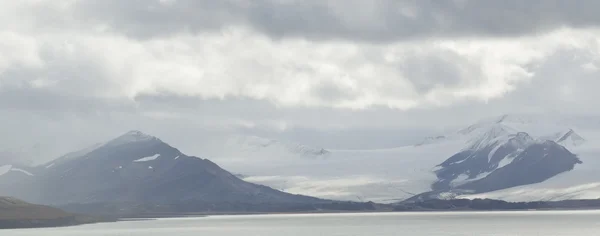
(200, 214)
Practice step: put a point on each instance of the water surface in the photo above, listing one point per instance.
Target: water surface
(567, 223)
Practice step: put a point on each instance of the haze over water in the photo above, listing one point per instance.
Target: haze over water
(559, 223)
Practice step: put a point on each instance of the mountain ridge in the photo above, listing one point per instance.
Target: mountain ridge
(136, 167)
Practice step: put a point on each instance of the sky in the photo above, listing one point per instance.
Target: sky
(332, 73)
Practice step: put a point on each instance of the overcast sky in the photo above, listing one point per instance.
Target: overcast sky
(333, 73)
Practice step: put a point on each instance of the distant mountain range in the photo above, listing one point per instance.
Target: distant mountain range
(518, 157)
(510, 157)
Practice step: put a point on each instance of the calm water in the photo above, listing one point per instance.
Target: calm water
(485, 223)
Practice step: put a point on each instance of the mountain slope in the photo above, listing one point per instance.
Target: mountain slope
(492, 150)
(537, 163)
(139, 168)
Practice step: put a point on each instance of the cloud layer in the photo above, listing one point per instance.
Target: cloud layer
(283, 64)
(373, 21)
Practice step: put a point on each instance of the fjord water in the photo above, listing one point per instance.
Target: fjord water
(560, 223)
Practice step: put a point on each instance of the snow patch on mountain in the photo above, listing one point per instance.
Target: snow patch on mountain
(532, 193)
(508, 159)
(495, 135)
(22, 171)
(148, 158)
(464, 179)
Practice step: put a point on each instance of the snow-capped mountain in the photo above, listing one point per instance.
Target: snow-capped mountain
(501, 154)
(579, 135)
(536, 163)
(493, 154)
(510, 157)
(137, 167)
(491, 151)
(493, 158)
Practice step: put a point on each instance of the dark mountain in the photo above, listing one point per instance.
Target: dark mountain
(535, 164)
(490, 151)
(136, 168)
(502, 158)
(538, 162)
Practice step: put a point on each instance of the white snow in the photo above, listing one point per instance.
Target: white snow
(381, 175)
(150, 167)
(356, 188)
(461, 161)
(464, 179)
(495, 134)
(22, 171)
(5, 169)
(177, 157)
(149, 158)
(505, 161)
(398, 173)
(491, 154)
(460, 180)
(50, 166)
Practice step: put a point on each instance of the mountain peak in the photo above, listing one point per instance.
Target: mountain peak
(490, 135)
(135, 133)
(131, 137)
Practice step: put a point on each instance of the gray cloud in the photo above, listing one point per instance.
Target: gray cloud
(376, 21)
(439, 69)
